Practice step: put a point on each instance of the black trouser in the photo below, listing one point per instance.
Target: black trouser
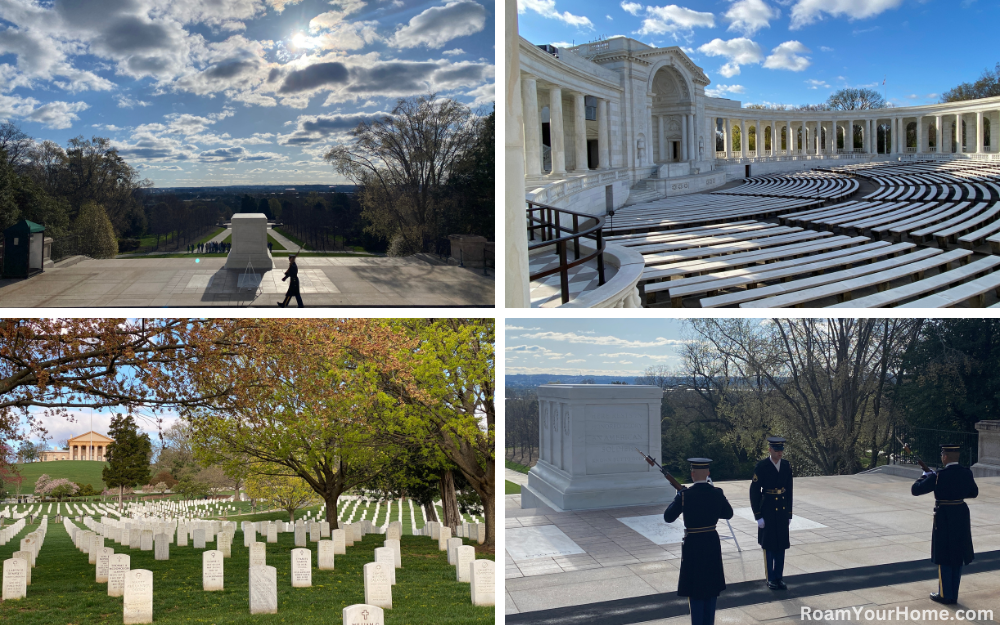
(774, 561)
(949, 578)
(702, 611)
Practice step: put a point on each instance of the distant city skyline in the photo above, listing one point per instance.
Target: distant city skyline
(250, 91)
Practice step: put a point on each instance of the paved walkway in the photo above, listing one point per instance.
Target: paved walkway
(559, 559)
(516, 477)
(283, 240)
(325, 281)
(219, 238)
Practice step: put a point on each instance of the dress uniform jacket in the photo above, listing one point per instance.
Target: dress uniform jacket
(771, 500)
(293, 276)
(702, 576)
(951, 540)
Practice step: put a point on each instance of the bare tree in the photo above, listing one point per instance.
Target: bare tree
(15, 144)
(852, 99)
(400, 163)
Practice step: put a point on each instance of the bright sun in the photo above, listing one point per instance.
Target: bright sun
(302, 41)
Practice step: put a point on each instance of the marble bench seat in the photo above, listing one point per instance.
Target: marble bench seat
(970, 219)
(879, 279)
(719, 239)
(898, 229)
(828, 280)
(720, 250)
(926, 285)
(976, 289)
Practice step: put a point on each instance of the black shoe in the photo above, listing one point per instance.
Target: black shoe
(939, 599)
(773, 586)
(781, 585)
(281, 305)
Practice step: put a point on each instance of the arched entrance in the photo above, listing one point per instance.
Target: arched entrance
(671, 120)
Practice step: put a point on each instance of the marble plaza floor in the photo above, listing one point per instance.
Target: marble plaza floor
(555, 560)
(324, 281)
(547, 292)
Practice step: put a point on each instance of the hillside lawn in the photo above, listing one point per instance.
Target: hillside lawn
(63, 588)
(79, 471)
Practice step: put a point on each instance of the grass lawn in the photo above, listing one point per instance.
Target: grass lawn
(274, 243)
(213, 232)
(80, 471)
(63, 589)
(520, 468)
(291, 238)
(510, 488)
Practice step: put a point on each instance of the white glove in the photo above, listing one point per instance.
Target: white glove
(760, 523)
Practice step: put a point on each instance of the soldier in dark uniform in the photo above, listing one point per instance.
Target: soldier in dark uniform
(293, 287)
(771, 500)
(702, 577)
(951, 538)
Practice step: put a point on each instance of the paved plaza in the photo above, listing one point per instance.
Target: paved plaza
(193, 281)
(847, 528)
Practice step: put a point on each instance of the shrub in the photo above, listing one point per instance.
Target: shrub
(97, 235)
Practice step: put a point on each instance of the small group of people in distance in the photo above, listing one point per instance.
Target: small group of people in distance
(702, 577)
(212, 247)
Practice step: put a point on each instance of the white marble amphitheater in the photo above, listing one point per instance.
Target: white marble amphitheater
(627, 186)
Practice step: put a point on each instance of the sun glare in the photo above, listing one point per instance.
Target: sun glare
(303, 41)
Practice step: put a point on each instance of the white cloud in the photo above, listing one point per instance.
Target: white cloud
(438, 25)
(817, 84)
(808, 11)
(672, 18)
(740, 51)
(632, 7)
(749, 16)
(719, 91)
(547, 8)
(825, 49)
(56, 114)
(454, 52)
(126, 102)
(576, 337)
(610, 18)
(788, 56)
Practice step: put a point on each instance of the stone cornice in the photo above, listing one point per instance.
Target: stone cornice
(926, 110)
(538, 56)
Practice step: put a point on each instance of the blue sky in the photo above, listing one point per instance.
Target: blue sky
(592, 346)
(198, 92)
(795, 51)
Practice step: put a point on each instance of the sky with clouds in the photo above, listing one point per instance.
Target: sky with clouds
(217, 92)
(77, 421)
(793, 51)
(592, 346)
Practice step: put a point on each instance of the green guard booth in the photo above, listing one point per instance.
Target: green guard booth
(23, 249)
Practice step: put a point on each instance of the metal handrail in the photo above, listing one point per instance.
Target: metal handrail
(549, 223)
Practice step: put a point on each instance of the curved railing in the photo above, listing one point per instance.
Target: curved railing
(549, 222)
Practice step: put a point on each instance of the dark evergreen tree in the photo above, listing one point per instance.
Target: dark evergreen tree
(264, 207)
(128, 456)
(247, 205)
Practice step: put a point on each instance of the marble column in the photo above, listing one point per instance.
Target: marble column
(959, 135)
(580, 132)
(603, 143)
(692, 151)
(557, 138)
(920, 136)
(682, 154)
(663, 139)
(979, 132)
(805, 144)
(743, 138)
(532, 126)
(938, 137)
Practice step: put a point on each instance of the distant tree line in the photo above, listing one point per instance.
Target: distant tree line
(986, 86)
(423, 172)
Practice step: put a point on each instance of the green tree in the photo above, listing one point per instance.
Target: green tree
(288, 492)
(97, 235)
(128, 456)
(852, 99)
(248, 205)
(469, 195)
(274, 207)
(190, 488)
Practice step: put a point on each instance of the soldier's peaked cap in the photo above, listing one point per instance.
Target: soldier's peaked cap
(776, 442)
(699, 463)
(950, 448)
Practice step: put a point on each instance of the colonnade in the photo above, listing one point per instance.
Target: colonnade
(87, 452)
(689, 125)
(557, 139)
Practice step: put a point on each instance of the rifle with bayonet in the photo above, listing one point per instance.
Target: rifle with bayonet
(670, 478)
(907, 450)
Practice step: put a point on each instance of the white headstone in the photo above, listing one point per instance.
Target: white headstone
(363, 614)
(301, 568)
(300, 536)
(465, 555)
(263, 589)
(349, 534)
(26, 556)
(103, 564)
(394, 531)
(395, 546)
(258, 554)
(182, 536)
(314, 532)
(212, 577)
(378, 585)
(453, 544)
(96, 543)
(272, 533)
(119, 566)
(326, 555)
(161, 549)
(480, 533)
(15, 579)
(338, 541)
(224, 543)
(138, 597)
(198, 537)
(324, 529)
(134, 538)
(483, 580)
(444, 533)
(146, 541)
(385, 555)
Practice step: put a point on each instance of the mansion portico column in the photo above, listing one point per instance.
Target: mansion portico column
(532, 126)
(603, 153)
(580, 132)
(557, 139)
